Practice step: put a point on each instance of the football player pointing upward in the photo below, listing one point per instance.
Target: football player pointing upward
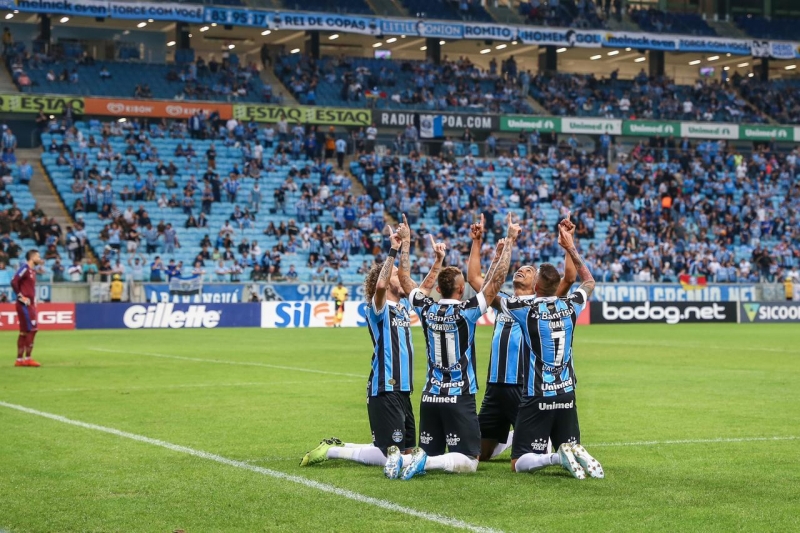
(448, 418)
(390, 383)
(548, 409)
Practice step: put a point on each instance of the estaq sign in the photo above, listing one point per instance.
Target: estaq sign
(50, 105)
(335, 116)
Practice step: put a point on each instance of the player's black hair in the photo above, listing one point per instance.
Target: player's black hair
(548, 280)
(30, 253)
(447, 281)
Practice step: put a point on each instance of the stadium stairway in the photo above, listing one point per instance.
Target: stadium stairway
(268, 76)
(504, 12)
(728, 29)
(626, 24)
(767, 117)
(6, 82)
(388, 8)
(42, 188)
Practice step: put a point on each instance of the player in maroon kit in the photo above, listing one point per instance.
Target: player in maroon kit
(24, 285)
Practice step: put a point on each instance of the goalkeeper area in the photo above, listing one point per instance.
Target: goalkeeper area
(202, 430)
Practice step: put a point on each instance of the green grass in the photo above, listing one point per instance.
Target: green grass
(636, 383)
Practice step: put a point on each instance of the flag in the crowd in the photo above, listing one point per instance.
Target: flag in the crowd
(431, 126)
(691, 283)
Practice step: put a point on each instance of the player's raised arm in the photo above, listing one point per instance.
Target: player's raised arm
(587, 280)
(499, 269)
(440, 249)
(386, 271)
(474, 277)
(570, 272)
(404, 271)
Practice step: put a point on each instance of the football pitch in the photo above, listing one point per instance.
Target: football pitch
(697, 428)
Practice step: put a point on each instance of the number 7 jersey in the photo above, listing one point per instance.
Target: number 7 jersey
(547, 327)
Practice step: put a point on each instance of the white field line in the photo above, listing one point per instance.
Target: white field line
(689, 441)
(123, 388)
(669, 344)
(228, 362)
(323, 487)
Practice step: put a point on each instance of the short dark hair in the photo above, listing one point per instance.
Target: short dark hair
(548, 280)
(447, 281)
(31, 253)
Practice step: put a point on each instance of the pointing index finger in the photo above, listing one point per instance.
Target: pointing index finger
(404, 219)
(433, 242)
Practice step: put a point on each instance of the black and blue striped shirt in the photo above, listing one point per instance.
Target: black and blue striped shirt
(547, 326)
(393, 351)
(509, 352)
(449, 327)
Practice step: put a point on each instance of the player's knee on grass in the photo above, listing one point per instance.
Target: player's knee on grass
(487, 448)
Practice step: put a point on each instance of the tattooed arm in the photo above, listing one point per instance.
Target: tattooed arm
(386, 271)
(566, 242)
(404, 272)
(499, 271)
(474, 277)
(440, 249)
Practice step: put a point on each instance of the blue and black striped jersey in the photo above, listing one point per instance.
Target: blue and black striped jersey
(509, 352)
(393, 351)
(548, 325)
(449, 327)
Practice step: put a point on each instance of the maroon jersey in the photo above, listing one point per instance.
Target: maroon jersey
(24, 282)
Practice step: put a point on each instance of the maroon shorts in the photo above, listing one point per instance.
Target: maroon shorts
(26, 316)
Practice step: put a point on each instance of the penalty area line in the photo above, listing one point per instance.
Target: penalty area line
(316, 485)
(690, 441)
(227, 362)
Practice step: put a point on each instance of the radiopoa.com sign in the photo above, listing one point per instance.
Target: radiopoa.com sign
(757, 312)
(167, 316)
(662, 313)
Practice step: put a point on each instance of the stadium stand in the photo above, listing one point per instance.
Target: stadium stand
(643, 97)
(657, 21)
(223, 80)
(566, 13)
(23, 225)
(381, 83)
(147, 192)
(768, 28)
(357, 7)
(448, 9)
(703, 210)
(780, 99)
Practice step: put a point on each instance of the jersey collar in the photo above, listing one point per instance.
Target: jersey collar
(447, 301)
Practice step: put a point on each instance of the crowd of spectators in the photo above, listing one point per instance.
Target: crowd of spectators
(643, 97)
(780, 99)
(704, 209)
(203, 80)
(175, 186)
(451, 86)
